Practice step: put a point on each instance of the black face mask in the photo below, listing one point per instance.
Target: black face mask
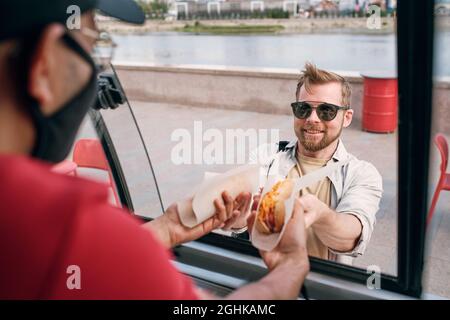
(55, 134)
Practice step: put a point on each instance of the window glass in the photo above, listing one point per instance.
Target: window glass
(133, 158)
(89, 157)
(437, 258)
(207, 93)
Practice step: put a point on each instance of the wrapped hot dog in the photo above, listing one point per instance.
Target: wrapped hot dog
(271, 212)
(277, 202)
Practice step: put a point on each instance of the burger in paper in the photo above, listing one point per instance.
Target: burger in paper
(271, 212)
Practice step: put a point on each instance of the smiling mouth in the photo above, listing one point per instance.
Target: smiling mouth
(312, 131)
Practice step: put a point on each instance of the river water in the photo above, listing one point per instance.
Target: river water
(335, 51)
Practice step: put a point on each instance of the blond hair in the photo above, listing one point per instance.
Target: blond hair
(311, 75)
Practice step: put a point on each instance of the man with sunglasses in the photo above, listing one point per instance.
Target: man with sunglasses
(339, 210)
(59, 237)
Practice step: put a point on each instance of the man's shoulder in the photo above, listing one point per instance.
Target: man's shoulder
(33, 195)
(25, 179)
(58, 221)
(358, 169)
(266, 152)
(38, 211)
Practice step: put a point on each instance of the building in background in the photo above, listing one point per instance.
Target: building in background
(442, 7)
(243, 9)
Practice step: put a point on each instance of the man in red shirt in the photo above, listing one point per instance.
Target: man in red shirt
(54, 227)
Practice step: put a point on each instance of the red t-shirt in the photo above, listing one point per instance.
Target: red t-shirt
(50, 222)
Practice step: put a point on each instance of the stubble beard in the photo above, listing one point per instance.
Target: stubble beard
(312, 146)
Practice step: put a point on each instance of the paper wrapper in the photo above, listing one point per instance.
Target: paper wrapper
(268, 242)
(235, 181)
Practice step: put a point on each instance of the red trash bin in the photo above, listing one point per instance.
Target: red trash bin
(380, 102)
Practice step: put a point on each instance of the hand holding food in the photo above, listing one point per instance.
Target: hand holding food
(239, 180)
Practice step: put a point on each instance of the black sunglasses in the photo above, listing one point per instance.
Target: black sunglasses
(325, 111)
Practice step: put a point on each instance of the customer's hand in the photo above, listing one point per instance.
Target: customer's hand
(292, 247)
(241, 221)
(315, 211)
(242, 205)
(172, 232)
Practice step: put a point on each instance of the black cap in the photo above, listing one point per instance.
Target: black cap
(18, 17)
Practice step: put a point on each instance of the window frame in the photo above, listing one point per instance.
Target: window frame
(113, 159)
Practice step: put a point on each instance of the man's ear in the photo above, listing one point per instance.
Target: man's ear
(43, 65)
(348, 117)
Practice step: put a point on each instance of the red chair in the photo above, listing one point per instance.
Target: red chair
(88, 153)
(444, 179)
